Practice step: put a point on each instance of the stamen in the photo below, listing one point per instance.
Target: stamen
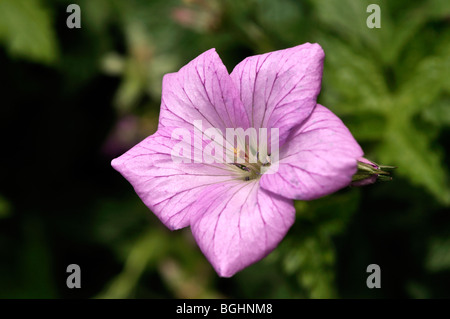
(252, 170)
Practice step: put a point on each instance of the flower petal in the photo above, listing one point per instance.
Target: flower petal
(279, 89)
(168, 188)
(240, 224)
(319, 158)
(202, 90)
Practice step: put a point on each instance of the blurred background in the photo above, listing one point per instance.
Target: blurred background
(73, 99)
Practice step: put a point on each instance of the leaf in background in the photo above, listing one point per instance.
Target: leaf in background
(369, 85)
(95, 14)
(410, 150)
(402, 23)
(313, 263)
(281, 20)
(430, 79)
(276, 284)
(353, 81)
(438, 113)
(146, 251)
(5, 208)
(30, 275)
(152, 250)
(398, 27)
(438, 258)
(26, 30)
(308, 252)
(404, 144)
(347, 18)
(418, 291)
(365, 126)
(137, 67)
(439, 9)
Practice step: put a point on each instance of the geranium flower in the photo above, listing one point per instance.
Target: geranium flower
(239, 212)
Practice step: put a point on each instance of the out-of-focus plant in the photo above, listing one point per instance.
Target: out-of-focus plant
(5, 208)
(27, 31)
(388, 86)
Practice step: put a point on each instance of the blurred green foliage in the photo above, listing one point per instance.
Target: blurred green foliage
(26, 30)
(95, 92)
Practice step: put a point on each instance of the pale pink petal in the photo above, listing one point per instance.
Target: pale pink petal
(279, 89)
(168, 188)
(202, 90)
(237, 224)
(367, 181)
(319, 158)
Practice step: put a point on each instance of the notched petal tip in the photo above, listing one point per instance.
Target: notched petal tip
(319, 159)
(318, 48)
(240, 224)
(315, 52)
(201, 90)
(210, 51)
(279, 89)
(226, 271)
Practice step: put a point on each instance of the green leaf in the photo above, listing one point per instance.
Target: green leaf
(26, 30)
(354, 82)
(426, 85)
(409, 149)
(308, 252)
(30, 275)
(438, 258)
(438, 8)
(348, 19)
(5, 208)
(281, 19)
(365, 126)
(147, 249)
(438, 113)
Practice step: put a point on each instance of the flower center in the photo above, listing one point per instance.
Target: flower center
(250, 168)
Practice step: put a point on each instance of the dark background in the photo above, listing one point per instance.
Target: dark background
(73, 99)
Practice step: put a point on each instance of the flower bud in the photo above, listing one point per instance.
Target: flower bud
(369, 172)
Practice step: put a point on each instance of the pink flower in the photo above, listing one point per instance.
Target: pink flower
(239, 212)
